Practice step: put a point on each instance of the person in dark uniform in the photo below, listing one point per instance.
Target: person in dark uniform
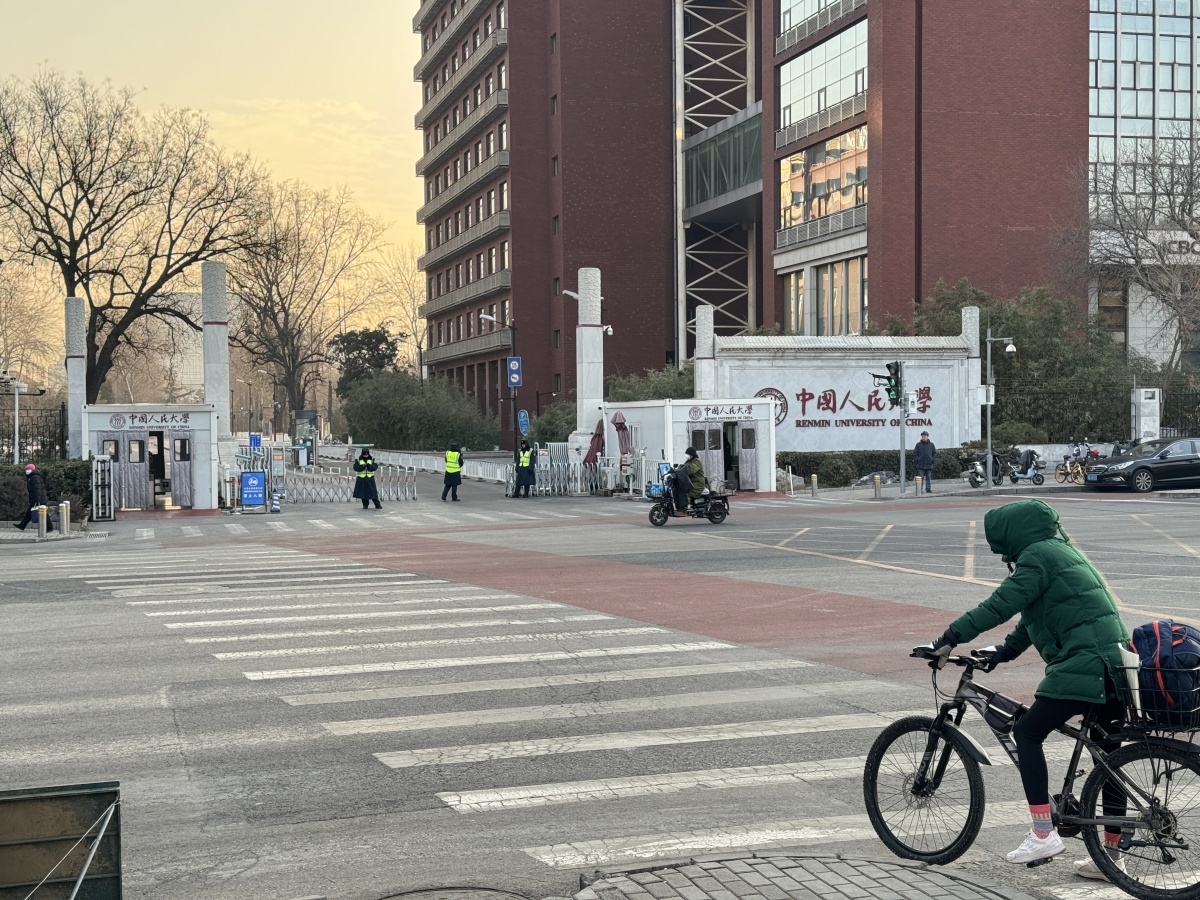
(526, 477)
(36, 486)
(453, 477)
(365, 488)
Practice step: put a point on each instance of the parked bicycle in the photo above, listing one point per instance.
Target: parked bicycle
(925, 796)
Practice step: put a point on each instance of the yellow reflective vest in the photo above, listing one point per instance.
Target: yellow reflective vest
(453, 462)
(526, 459)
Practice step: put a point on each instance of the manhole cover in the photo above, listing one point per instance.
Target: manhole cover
(456, 893)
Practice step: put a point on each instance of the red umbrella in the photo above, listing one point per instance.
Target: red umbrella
(596, 448)
(618, 421)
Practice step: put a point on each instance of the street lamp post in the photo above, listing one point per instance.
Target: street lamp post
(511, 325)
(1010, 351)
(249, 408)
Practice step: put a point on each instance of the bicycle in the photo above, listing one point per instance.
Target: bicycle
(1072, 470)
(925, 796)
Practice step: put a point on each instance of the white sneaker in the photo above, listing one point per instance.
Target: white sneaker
(1086, 868)
(1034, 848)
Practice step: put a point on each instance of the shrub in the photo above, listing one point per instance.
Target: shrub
(555, 424)
(837, 471)
(1017, 434)
(863, 462)
(65, 480)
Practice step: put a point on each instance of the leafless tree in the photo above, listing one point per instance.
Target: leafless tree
(31, 327)
(404, 292)
(311, 270)
(122, 205)
(1143, 229)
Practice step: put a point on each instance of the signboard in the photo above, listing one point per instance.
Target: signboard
(278, 466)
(513, 366)
(523, 421)
(254, 489)
(255, 440)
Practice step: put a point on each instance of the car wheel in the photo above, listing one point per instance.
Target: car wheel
(1143, 481)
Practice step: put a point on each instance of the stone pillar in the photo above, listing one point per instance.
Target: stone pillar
(216, 345)
(589, 361)
(76, 330)
(705, 363)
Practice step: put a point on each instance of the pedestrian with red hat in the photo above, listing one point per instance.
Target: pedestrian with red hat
(36, 486)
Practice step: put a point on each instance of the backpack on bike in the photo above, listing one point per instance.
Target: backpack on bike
(1169, 673)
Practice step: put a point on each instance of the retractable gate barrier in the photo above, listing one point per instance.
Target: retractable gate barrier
(573, 479)
(310, 484)
(61, 842)
(103, 509)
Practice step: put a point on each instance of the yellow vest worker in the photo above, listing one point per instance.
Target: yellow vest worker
(526, 477)
(453, 477)
(364, 485)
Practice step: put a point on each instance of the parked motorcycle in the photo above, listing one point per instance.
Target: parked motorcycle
(975, 472)
(1018, 474)
(710, 505)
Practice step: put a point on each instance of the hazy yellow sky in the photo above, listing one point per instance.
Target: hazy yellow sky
(320, 91)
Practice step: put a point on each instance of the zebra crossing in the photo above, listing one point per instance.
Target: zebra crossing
(462, 682)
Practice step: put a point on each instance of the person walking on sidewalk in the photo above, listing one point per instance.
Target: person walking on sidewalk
(925, 453)
(36, 486)
(526, 478)
(453, 477)
(365, 488)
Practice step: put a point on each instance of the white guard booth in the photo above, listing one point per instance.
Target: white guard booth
(735, 439)
(164, 455)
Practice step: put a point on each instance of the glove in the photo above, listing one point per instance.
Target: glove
(937, 651)
(993, 656)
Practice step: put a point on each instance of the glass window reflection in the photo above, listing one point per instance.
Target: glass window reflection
(829, 73)
(824, 179)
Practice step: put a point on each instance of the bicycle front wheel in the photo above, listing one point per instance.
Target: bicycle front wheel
(932, 816)
(1076, 474)
(1060, 473)
(1164, 861)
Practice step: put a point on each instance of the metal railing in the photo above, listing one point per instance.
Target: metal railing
(332, 484)
(826, 118)
(846, 220)
(815, 23)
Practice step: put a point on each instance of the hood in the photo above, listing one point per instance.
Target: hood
(1013, 527)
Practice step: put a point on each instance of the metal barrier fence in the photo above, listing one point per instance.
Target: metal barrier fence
(575, 479)
(331, 484)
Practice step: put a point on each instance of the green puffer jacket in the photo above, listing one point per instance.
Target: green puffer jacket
(1066, 610)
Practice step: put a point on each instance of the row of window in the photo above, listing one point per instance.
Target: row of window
(484, 263)
(483, 207)
(495, 139)
(460, 57)
(452, 11)
(824, 179)
(1144, 7)
(834, 302)
(793, 12)
(469, 324)
(484, 88)
(832, 71)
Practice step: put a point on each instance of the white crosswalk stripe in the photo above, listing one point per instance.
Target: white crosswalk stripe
(377, 588)
(191, 531)
(330, 617)
(361, 523)
(320, 523)
(242, 609)
(145, 534)
(237, 529)
(280, 526)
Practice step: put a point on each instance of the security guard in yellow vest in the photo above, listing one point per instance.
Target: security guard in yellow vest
(526, 478)
(364, 485)
(453, 478)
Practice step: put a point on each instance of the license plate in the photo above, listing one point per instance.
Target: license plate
(1093, 478)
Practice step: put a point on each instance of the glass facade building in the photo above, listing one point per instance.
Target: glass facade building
(824, 179)
(833, 71)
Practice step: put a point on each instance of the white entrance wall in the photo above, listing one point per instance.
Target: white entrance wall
(199, 418)
(828, 399)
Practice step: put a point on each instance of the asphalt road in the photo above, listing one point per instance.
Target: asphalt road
(509, 693)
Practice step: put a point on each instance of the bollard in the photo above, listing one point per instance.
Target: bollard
(917, 484)
(814, 485)
(275, 502)
(42, 516)
(64, 518)
(878, 488)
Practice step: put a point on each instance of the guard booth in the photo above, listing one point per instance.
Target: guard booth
(161, 456)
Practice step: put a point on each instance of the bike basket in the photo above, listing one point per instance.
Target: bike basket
(655, 491)
(1169, 699)
(1002, 713)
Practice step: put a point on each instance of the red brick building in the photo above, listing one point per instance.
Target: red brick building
(547, 128)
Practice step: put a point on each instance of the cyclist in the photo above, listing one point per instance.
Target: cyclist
(1067, 613)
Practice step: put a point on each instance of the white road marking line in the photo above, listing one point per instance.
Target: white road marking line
(482, 516)
(544, 681)
(344, 604)
(438, 642)
(320, 523)
(251, 569)
(334, 617)
(191, 531)
(441, 519)
(189, 562)
(237, 529)
(546, 512)
(513, 515)
(145, 534)
(361, 523)
(591, 512)
(501, 716)
(797, 833)
(632, 740)
(400, 519)
(275, 580)
(553, 794)
(390, 629)
(279, 526)
(510, 659)
(372, 589)
(870, 548)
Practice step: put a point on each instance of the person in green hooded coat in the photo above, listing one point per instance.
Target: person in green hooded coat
(1068, 615)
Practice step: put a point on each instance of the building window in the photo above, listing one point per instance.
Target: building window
(458, 223)
(438, 231)
(467, 216)
(500, 14)
(458, 328)
(439, 334)
(502, 135)
(824, 179)
(491, 202)
(457, 170)
(554, 225)
(439, 284)
(466, 162)
(478, 151)
(470, 325)
(839, 295)
(479, 210)
(554, 165)
(489, 144)
(554, 43)
(487, 25)
(504, 195)
(458, 275)
(793, 302)
(1112, 305)
(491, 260)
(557, 342)
(504, 261)
(829, 73)
(477, 95)
(557, 285)
(558, 382)
(488, 86)
(503, 312)
(501, 72)
(475, 40)
(479, 264)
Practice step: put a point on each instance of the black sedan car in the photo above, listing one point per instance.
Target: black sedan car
(1166, 462)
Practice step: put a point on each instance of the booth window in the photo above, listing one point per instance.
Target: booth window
(183, 450)
(111, 449)
(698, 439)
(748, 437)
(137, 451)
(714, 439)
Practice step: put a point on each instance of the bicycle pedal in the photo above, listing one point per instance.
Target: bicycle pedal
(1039, 862)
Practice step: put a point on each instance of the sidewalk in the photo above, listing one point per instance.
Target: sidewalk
(780, 875)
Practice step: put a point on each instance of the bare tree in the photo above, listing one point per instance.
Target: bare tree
(31, 328)
(404, 292)
(1143, 229)
(314, 272)
(122, 205)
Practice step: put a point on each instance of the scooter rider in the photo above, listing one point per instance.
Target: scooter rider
(1027, 461)
(689, 481)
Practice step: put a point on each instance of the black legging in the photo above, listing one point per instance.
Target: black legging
(1046, 714)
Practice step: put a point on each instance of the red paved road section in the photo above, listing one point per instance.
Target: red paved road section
(858, 633)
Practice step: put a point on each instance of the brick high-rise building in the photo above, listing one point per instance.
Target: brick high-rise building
(547, 129)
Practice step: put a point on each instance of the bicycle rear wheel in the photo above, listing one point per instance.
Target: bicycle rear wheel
(935, 821)
(1164, 863)
(1060, 473)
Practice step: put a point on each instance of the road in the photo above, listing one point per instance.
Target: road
(505, 693)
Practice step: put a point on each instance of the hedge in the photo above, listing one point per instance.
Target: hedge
(65, 480)
(945, 465)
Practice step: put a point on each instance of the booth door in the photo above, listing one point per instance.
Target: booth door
(180, 448)
(135, 474)
(707, 441)
(112, 445)
(748, 456)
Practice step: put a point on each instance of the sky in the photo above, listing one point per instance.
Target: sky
(317, 91)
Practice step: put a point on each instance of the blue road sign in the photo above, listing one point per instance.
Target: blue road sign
(514, 371)
(254, 489)
(523, 420)
(255, 440)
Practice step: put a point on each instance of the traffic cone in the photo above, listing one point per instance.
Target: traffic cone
(275, 502)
